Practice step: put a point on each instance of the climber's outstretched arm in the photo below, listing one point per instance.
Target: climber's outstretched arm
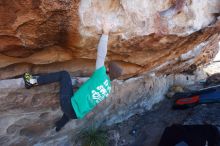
(102, 51)
(102, 47)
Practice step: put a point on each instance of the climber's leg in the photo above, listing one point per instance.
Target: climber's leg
(66, 92)
(53, 77)
(30, 80)
(66, 89)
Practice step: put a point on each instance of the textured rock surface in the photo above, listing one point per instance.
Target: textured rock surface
(147, 129)
(27, 116)
(149, 38)
(49, 35)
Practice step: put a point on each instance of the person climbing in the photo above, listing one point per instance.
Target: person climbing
(93, 91)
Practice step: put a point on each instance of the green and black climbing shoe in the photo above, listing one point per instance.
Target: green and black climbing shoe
(27, 77)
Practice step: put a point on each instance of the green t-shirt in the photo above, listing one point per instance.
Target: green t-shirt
(92, 92)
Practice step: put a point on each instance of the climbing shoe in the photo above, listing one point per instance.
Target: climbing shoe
(27, 77)
(62, 122)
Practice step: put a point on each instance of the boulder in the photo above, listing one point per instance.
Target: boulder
(44, 36)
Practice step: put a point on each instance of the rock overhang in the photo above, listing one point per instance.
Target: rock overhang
(41, 36)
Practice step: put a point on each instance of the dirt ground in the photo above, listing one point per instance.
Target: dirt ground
(146, 129)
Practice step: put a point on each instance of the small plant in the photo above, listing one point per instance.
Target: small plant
(94, 137)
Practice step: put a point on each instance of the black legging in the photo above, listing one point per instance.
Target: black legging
(66, 90)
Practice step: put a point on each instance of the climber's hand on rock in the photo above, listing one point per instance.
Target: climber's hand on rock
(106, 28)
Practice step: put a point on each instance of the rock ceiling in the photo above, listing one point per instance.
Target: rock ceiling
(49, 35)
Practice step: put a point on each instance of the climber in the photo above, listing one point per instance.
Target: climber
(92, 92)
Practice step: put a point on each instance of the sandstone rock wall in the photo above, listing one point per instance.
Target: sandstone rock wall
(27, 116)
(160, 37)
(49, 35)
(143, 17)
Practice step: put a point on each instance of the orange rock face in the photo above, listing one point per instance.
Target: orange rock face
(50, 35)
(147, 36)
